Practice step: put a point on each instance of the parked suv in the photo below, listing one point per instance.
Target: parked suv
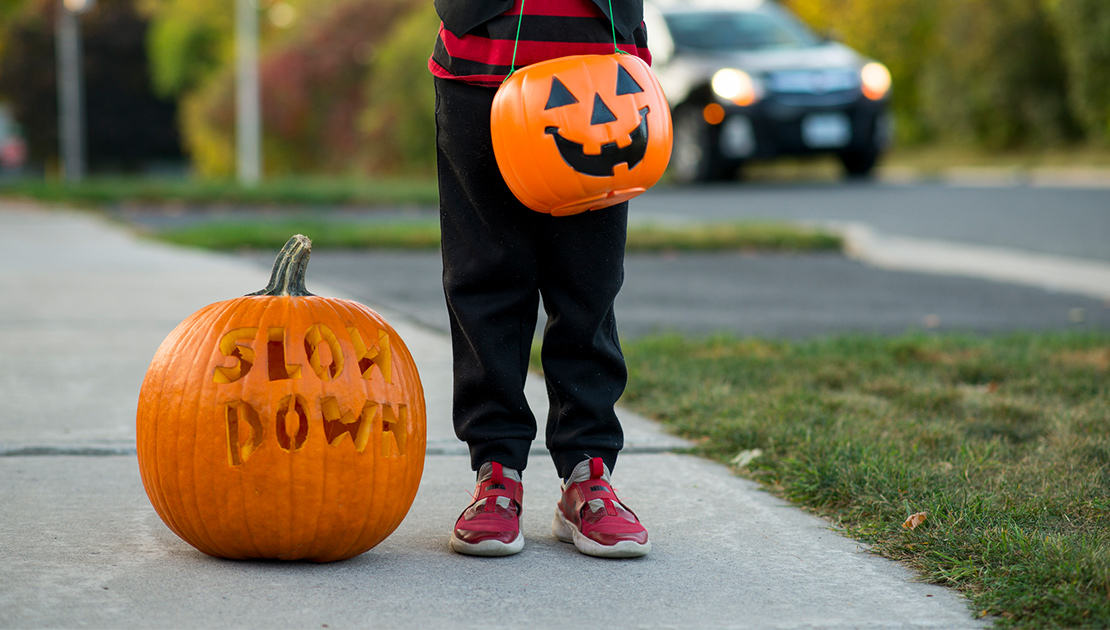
(746, 80)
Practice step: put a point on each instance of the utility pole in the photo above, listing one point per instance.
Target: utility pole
(71, 88)
(248, 102)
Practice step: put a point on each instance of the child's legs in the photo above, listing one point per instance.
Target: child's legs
(498, 256)
(489, 280)
(581, 271)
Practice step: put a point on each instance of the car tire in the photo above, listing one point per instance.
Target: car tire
(694, 157)
(860, 164)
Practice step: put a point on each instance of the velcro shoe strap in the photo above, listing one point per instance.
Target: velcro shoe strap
(504, 488)
(600, 490)
(596, 489)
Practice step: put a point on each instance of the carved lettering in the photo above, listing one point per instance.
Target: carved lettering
(244, 432)
(394, 430)
(275, 357)
(321, 346)
(291, 416)
(372, 356)
(292, 423)
(340, 423)
(239, 345)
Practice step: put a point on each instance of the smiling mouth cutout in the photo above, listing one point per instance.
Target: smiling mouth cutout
(602, 164)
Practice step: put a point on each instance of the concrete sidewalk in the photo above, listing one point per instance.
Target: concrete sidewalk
(84, 305)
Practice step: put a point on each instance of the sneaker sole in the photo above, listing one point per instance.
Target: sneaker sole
(488, 548)
(568, 533)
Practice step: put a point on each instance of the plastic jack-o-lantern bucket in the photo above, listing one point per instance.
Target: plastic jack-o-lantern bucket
(582, 132)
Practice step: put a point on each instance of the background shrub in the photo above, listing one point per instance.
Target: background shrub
(399, 120)
(313, 94)
(1084, 38)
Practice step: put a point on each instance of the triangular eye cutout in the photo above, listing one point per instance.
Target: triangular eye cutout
(560, 95)
(625, 83)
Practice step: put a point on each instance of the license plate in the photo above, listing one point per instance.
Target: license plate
(826, 131)
(737, 137)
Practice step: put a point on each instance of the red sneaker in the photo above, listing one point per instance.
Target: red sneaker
(592, 517)
(490, 526)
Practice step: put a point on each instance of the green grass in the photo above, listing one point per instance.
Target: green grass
(326, 233)
(272, 235)
(425, 234)
(292, 191)
(1003, 441)
(731, 236)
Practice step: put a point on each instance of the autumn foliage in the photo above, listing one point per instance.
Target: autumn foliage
(313, 95)
(989, 73)
(346, 88)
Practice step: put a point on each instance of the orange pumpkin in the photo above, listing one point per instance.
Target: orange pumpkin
(581, 132)
(282, 424)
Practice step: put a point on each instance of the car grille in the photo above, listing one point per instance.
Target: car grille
(813, 88)
(816, 100)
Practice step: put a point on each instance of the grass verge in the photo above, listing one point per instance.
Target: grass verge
(1004, 443)
(295, 191)
(425, 234)
(731, 236)
(271, 235)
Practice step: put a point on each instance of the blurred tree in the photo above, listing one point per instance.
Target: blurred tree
(399, 120)
(208, 126)
(9, 9)
(192, 41)
(345, 86)
(127, 126)
(28, 79)
(312, 94)
(996, 77)
(899, 33)
(188, 41)
(1084, 34)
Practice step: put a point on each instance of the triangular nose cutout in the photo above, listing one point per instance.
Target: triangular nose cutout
(602, 114)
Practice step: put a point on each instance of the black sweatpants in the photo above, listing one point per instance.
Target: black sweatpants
(499, 259)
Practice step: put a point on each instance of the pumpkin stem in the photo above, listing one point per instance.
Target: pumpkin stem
(287, 278)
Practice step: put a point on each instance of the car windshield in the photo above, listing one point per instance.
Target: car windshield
(738, 30)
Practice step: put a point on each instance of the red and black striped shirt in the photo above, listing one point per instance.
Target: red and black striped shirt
(550, 29)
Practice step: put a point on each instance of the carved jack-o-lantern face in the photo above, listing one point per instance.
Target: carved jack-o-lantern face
(581, 133)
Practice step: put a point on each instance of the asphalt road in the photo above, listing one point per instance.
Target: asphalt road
(764, 295)
(799, 296)
(1054, 220)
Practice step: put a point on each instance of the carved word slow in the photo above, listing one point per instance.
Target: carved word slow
(325, 355)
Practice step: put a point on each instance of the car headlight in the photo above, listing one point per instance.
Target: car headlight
(736, 86)
(876, 80)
